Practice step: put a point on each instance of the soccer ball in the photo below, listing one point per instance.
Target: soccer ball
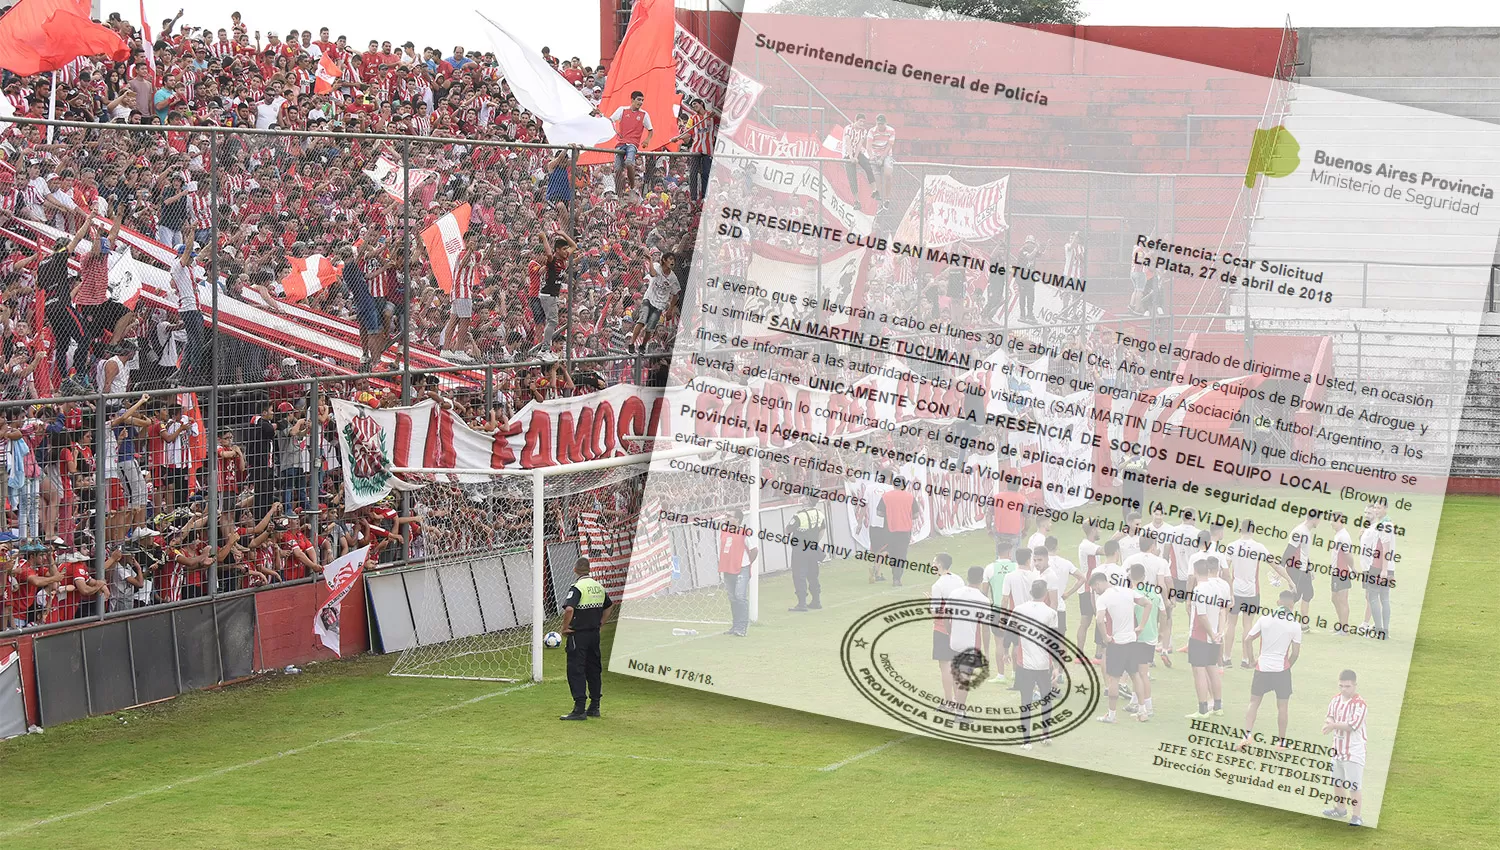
(552, 639)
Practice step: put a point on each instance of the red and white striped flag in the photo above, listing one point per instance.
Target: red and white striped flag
(146, 40)
(444, 240)
(309, 276)
(631, 563)
(328, 75)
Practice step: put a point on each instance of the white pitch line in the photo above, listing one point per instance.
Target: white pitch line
(684, 639)
(866, 754)
(161, 789)
(535, 751)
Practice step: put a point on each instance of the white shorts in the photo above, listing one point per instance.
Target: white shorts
(463, 308)
(133, 484)
(1352, 774)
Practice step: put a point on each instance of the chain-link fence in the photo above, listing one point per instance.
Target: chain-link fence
(182, 302)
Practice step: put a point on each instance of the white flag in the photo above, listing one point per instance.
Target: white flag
(340, 576)
(124, 277)
(545, 93)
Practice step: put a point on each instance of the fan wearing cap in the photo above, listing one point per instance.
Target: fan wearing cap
(296, 557)
(22, 581)
(77, 585)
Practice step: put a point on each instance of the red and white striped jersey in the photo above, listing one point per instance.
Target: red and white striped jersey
(34, 192)
(882, 141)
(855, 139)
(68, 74)
(1349, 745)
(232, 183)
(221, 49)
(704, 128)
(465, 273)
(200, 204)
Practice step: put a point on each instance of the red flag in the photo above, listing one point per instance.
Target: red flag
(644, 63)
(444, 239)
(328, 74)
(197, 441)
(309, 276)
(37, 36)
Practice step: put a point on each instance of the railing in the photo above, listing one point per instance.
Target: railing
(1247, 202)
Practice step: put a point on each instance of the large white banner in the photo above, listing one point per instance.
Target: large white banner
(947, 211)
(702, 74)
(806, 180)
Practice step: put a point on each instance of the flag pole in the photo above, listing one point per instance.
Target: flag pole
(52, 107)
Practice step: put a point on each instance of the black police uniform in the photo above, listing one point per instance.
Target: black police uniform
(806, 530)
(589, 601)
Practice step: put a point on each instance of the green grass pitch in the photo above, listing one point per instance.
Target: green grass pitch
(343, 756)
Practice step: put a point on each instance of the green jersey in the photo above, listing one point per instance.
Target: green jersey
(1147, 621)
(998, 571)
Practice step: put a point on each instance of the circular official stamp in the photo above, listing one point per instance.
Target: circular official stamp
(884, 654)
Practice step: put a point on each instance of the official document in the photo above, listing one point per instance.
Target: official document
(1054, 398)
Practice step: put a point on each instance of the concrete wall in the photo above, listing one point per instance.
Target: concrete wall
(1399, 52)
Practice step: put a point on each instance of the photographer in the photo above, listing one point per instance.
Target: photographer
(292, 457)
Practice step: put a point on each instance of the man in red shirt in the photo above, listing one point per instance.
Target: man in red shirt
(1005, 520)
(633, 130)
(736, 554)
(898, 507)
(20, 587)
(328, 47)
(297, 557)
(78, 584)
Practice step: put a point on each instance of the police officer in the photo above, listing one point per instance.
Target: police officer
(804, 533)
(584, 612)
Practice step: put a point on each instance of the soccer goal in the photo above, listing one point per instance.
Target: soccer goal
(497, 547)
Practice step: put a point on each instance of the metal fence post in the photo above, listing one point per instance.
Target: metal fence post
(211, 496)
(101, 482)
(405, 278)
(572, 226)
(211, 439)
(315, 460)
(489, 389)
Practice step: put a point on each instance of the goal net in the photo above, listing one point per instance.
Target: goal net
(497, 548)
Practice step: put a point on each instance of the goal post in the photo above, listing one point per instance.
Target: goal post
(478, 617)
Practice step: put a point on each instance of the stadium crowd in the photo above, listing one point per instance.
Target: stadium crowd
(240, 208)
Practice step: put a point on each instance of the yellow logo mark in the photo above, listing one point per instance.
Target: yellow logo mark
(1273, 153)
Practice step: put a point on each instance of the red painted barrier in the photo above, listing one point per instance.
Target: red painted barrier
(284, 618)
(1474, 486)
